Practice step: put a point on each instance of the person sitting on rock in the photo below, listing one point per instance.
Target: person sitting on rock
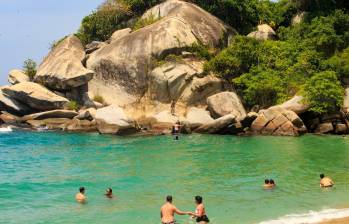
(325, 181)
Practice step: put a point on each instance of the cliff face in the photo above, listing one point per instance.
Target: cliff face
(126, 67)
(142, 88)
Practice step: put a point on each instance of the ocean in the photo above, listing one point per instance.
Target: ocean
(40, 173)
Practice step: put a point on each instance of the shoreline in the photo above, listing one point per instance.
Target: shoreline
(151, 133)
(336, 221)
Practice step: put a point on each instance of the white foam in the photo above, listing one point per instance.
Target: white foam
(8, 129)
(310, 217)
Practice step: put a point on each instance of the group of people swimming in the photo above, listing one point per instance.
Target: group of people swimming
(82, 198)
(168, 210)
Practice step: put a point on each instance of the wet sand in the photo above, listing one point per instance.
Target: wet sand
(337, 221)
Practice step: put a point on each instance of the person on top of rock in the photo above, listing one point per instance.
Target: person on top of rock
(325, 181)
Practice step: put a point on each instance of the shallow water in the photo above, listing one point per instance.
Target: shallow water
(41, 172)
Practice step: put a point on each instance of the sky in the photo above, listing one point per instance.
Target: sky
(27, 27)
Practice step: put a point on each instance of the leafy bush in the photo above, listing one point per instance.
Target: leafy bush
(339, 63)
(201, 51)
(324, 92)
(109, 17)
(29, 67)
(145, 22)
(73, 105)
(99, 99)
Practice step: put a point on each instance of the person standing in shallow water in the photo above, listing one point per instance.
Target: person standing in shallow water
(168, 210)
(200, 212)
(80, 197)
(325, 181)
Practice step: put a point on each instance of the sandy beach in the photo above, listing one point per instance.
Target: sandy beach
(337, 221)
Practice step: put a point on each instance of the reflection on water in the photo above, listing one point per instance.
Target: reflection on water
(41, 172)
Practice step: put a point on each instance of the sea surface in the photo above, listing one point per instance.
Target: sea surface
(40, 172)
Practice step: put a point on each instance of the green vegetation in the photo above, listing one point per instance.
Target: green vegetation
(263, 72)
(73, 105)
(99, 99)
(29, 68)
(324, 92)
(311, 57)
(145, 22)
(111, 16)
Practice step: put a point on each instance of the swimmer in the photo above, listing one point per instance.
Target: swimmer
(325, 181)
(80, 197)
(272, 183)
(200, 212)
(109, 193)
(269, 184)
(168, 210)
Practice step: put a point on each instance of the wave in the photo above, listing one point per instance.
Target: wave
(8, 129)
(311, 217)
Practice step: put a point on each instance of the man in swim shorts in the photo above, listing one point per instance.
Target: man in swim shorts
(168, 210)
(325, 181)
(80, 197)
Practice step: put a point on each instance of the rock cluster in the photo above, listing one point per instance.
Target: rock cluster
(278, 121)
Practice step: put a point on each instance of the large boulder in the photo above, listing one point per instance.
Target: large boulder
(167, 82)
(264, 32)
(197, 117)
(50, 123)
(8, 118)
(113, 120)
(278, 121)
(122, 67)
(62, 69)
(77, 125)
(119, 34)
(13, 106)
(324, 128)
(17, 76)
(51, 114)
(225, 103)
(218, 125)
(296, 104)
(36, 96)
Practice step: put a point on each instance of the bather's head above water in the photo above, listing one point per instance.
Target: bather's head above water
(322, 176)
(169, 199)
(198, 200)
(109, 192)
(266, 181)
(82, 190)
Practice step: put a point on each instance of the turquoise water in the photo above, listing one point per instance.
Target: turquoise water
(41, 172)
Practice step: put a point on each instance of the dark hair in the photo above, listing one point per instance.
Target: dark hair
(266, 181)
(169, 198)
(110, 190)
(322, 175)
(82, 189)
(198, 199)
(272, 181)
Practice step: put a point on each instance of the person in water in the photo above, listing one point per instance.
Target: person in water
(269, 184)
(109, 193)
(200, 212)
(80, 197)
(168, 210)
(176, 128)
(325, 181)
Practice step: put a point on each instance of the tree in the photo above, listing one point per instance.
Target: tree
(324, 92)
(29, 67)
